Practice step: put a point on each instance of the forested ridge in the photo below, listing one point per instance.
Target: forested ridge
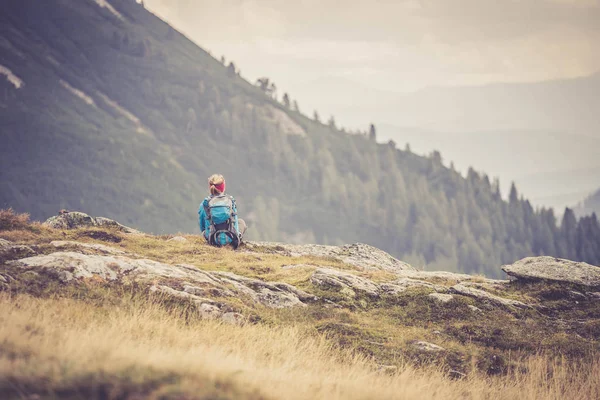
(120, 115)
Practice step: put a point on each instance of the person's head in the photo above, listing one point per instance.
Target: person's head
(216, 184)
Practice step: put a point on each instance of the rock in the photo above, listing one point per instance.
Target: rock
(197, 284)
(209, 291)
(427, 347)
(554, 269)
(576, 295)
(442, 298)
(11, 251)
(209, 311)
(270, 294)
(448, 276)
(359, 255)
(401, 285)
(87, 248)
(178, 294)
(233, 318)
(75, 219)
(483, 295)
(344, 282)
(180, 239)
(349, 284)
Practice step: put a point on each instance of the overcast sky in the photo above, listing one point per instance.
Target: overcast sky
(395, 45)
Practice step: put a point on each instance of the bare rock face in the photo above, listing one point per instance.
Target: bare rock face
(75, 219)
(485, 296)
(11, 251)
(344, 282)
(554, 269)
(441, 297)
(359, 255)
(68, 266)
(351, 285)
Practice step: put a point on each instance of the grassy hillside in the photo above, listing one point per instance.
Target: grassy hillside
(117, 114)
(96, 338)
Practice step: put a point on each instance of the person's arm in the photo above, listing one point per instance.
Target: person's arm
(202, 218)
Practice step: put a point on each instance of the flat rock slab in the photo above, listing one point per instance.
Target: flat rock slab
(350, 284)
(359, 255)
(554, 269)
(70, 265)
(450, 276)
(485, 296)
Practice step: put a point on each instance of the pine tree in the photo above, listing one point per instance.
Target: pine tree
(372, 133)
(286, 101)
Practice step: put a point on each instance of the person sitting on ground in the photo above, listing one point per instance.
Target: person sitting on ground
(217, 216)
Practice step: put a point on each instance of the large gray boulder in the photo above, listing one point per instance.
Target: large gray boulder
(554, 269)
(76, 219)
(358, 255)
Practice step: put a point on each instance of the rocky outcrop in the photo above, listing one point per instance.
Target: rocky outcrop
(194, 284)
(449, 276)
(75, 219)
(11, 251)
(351, 285)
(441, 297)
(359, 255)
(345, 283)
(554, 269)
(486, 297)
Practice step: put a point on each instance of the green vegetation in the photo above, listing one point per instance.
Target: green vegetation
(127, 118)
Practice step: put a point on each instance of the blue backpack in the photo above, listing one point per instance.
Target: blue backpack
(221, 214)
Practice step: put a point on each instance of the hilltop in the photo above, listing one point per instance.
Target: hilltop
(93, 308)
(109, 110)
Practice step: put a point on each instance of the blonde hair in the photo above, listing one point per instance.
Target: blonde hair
(215, 179)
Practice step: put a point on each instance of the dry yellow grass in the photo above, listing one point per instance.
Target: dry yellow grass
(73, 349)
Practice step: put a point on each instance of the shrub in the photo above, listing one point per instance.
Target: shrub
(9, 220)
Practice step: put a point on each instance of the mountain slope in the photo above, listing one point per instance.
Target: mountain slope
(120, 115)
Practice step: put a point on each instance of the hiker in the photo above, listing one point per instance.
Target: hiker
(217, 216)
